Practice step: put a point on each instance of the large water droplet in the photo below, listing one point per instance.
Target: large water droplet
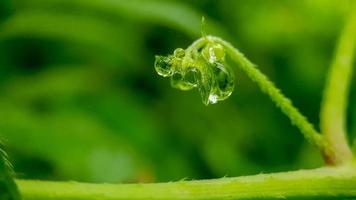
(217, 83)
(163, 65)
(224, 80)
(192, 76)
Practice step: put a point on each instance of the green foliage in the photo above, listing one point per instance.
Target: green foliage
(79, 100)
(76, 82)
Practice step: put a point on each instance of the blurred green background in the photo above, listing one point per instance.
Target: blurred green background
(80, 99)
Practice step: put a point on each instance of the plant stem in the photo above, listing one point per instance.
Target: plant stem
(269, 88)
(333, 110)
(318, 183)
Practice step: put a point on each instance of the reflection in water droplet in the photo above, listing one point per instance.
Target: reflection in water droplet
(204, 90)
(224, 78)
(217, 82)
(163, 65)
(205, 83)
(192, 76)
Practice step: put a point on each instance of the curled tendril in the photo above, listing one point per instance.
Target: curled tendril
(203, 68)
(203, 65)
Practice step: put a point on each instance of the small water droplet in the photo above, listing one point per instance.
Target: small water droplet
(163, 65)
(179, 53)
(213, 98)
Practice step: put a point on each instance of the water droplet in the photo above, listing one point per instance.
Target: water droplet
(213, 53)
(192, 76)
(224, 81)
(179, 53)
(163, 65)
(219, 52)
(217, 82)
(213, 98)
(205, 69)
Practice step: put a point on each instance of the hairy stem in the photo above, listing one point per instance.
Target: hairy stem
(318, 183)
(269, 88)
(333, 110)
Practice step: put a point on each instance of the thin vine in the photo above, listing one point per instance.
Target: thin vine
(333, 110)
(203, 65)
(322, 183)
